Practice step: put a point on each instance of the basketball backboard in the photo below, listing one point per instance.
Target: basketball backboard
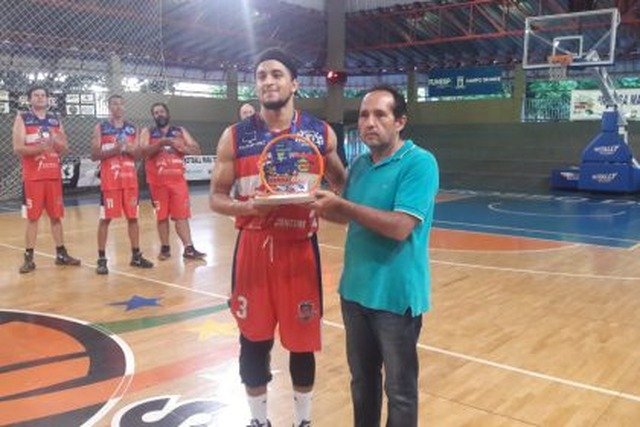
(589, 37)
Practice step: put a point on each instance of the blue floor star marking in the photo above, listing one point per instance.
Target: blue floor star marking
(136, 302)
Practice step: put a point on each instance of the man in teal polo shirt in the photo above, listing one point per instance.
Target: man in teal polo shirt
(388, 203)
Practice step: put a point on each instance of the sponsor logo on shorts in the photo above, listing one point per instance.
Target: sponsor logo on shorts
(307, 310)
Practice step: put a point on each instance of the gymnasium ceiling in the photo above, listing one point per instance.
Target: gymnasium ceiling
(215, 34)
(396, 37)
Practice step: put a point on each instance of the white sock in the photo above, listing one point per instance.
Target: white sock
(258, 408)
(301, 407)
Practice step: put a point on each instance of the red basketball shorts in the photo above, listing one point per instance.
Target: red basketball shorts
(39, 196)
(116, 202)
(171, 199)
(278, 283)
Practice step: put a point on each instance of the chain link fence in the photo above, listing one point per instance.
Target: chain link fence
(82, 52)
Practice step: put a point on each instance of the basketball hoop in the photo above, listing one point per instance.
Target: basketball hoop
(558, 65)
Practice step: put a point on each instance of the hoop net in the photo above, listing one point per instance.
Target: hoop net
(558, 65)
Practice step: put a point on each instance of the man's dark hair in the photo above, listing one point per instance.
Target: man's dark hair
(159, 104)
(35, 88)
(399, 103)
(281, 56)
(112, 97)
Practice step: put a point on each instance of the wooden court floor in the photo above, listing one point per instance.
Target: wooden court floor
(523, 332)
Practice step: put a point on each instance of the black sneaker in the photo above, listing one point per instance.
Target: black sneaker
(102, 266)
(28, 265)
(304, 423)
(256, 423)
(192, 253)
(164, 255)
(63, 258)
(140, 262)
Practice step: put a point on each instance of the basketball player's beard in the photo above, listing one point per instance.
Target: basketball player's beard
(162, 121)
(276, 105)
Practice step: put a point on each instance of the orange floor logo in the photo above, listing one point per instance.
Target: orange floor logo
(58, 371)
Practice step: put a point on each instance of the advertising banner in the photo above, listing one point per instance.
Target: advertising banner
(588, 104)
(198, 168)
(70, 172)
(86, 172)
(465, 81)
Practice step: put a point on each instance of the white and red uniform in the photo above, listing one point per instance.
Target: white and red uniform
(41, 176)
(276, 272)
(118, 174)
(165, 176)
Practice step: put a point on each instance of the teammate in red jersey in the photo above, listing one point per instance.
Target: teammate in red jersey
(39, 138)
(164, 148)
(115, 144)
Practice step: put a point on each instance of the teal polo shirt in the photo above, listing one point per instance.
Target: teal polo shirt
(382, 273)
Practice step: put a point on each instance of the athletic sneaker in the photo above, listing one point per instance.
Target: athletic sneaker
(256, 423)
(63, 258)
(164, 255)
(192, 253)
(28, 265)
(102, 266)
(304, 423)
(139, 261)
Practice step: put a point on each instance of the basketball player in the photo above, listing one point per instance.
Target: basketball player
(276, 275)
(115, 144)
(246, 110)
(164, 148)
(388, 202)
(39, 137)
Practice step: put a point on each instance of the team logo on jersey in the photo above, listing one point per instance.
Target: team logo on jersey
(313, 136)
(44, 132)
(249, 143)
(306, 310)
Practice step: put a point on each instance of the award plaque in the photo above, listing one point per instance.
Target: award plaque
(291, 169)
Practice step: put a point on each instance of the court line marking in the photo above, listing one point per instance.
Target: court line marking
(533, 230)
(130, 275)
(563, 245)
(521, 371)
(493, 207)
(530, 271)
(517, 270)
(130, 362)
(526, 372)
(508, 251)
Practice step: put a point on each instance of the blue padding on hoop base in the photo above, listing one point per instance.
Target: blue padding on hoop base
(608, 148)
(609, 121)
(609, 177)
(565, 178)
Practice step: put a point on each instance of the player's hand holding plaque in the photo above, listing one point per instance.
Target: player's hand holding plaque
(291, 169)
